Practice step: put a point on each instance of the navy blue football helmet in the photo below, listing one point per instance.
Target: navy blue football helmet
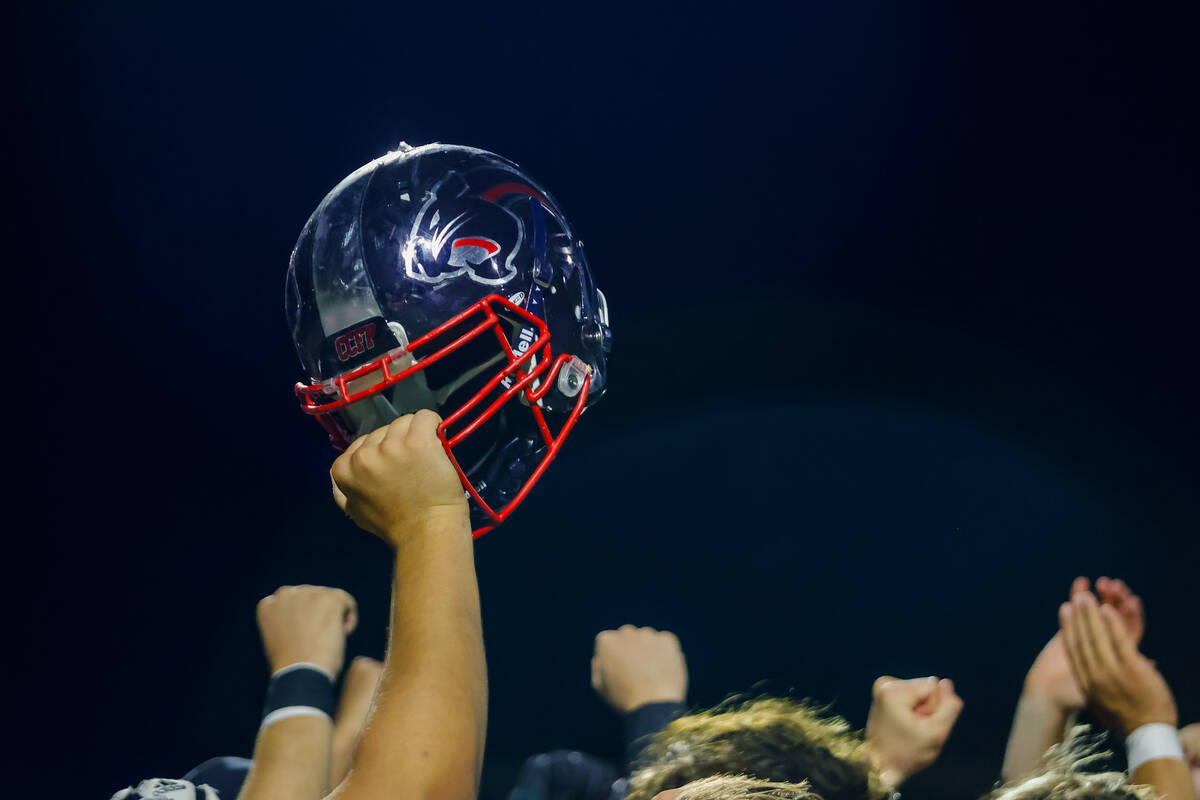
(444, 277)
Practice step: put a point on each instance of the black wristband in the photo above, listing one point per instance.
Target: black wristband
(645, 721)
(298, 690)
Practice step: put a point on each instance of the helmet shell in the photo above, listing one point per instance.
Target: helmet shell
(406, 242)
(420, 234)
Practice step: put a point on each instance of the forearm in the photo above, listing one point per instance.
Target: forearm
(425, 736)
(344, 746)
(1169, 777)
(291, 760)
(1038, 725)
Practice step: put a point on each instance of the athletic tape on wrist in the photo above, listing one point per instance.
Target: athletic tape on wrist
(297, 691)
(1156, 740)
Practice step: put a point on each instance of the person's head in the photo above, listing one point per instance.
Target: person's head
(1064, 777)
(738, 787)
(768, 739)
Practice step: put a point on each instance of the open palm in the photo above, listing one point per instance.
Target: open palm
(1050, 676)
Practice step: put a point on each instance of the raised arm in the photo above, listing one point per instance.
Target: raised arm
(1051, 697)
(304, 631)
(424, 737)
(1126, 692)
(642, 674)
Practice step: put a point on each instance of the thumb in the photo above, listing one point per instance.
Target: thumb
(339, 496)
(926, 696)
(906, 693)
(597, 676)
(951, 704)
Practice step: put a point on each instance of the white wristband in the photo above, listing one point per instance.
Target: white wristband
(293, 711)
(1156, 740)
(302, 665)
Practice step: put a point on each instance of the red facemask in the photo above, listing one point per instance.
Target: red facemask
(528, 372)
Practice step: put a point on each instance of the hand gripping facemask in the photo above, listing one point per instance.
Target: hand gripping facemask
(446, 278)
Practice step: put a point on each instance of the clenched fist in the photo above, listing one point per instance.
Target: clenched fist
(633, 667)
(397, 479)
(307, 624)
(908, 724)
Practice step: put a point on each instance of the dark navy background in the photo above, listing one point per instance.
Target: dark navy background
(904, 305)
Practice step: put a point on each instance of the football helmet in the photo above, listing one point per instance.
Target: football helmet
(445, 277)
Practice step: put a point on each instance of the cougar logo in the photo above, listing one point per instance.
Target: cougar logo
(462, 235)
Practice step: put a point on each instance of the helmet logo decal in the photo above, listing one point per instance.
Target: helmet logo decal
(440, 235)
(486, 255)
(355, 342)
(472, 250)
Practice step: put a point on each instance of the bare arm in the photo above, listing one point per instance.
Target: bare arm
(291, 761)
(1169, 777)
(1038, 724)
(1123, 688)
(1051, 698)
(425, 735)
(358, 692)
(426, 731)
(304, 630)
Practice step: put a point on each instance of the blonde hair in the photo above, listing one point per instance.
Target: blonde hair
(737, 787)
(767, 739)
(1064, 778)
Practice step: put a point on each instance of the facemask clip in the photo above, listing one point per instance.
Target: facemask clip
(572, 375)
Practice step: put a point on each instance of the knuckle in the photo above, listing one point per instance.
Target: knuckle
(392, 445)
(427, 415)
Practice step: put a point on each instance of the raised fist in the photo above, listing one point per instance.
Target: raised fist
(908, 724)
(398, 478)
(307, 624)
(633, 667)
